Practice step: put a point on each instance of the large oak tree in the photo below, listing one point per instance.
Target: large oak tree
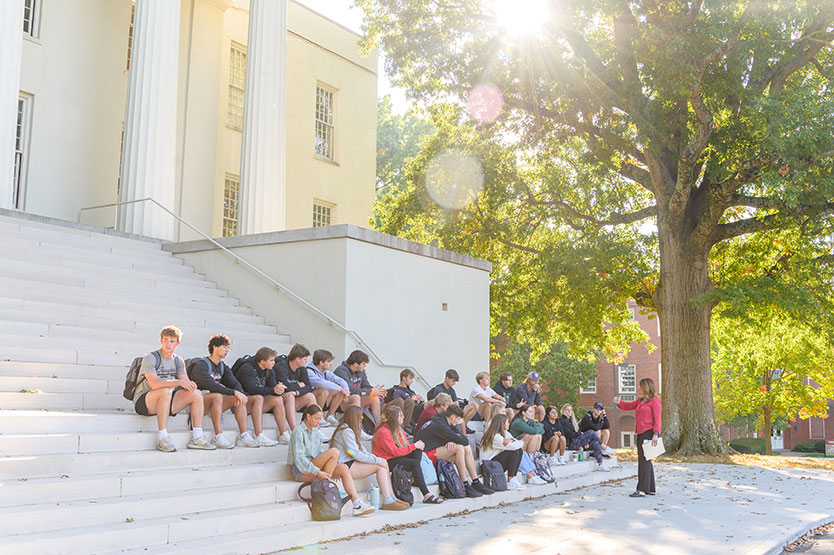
(709, 119)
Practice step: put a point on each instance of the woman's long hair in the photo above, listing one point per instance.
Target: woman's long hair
(647, 389)
(494, 411)
(310, 410)
(572, 416)
(520, 413)
(496, 427)
(352, 418)
(391, 420)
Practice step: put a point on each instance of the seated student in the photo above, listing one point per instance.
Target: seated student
(438, 404)
(504, 388)
(258, 378)
(483, 396)
(309, 459)
(404, 397)
(361, 463)
(362, 393)
(553, 439)
(330, 391)
(163, 388)
(391, 443)
(597, 421)
(527, 466)
(447, 387)
(577, 439)
(498, 445)
(525, 428)
(444, 441)
(530, 391)
(291, 371)
(222, 391)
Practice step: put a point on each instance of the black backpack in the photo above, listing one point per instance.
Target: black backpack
(132, 377)
(493, 474)
(325, 500)
(401, 484)
(189, 365)
(240, 362)
(451, 486)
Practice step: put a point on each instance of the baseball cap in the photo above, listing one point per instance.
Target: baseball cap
(534, 376)
(598, 405)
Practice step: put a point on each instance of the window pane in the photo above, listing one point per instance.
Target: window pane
(231, 194)
(324, 123)
(237, 82)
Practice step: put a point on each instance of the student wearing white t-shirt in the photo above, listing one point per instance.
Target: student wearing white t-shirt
(483, 396)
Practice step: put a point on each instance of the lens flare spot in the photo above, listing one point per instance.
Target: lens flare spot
(484, 103)
(454, 179)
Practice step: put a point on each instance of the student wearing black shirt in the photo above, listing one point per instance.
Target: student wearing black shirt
(291, 370)
(597, 421)
(553, 438)
(504, 388)
(258, 378)
(447, 386)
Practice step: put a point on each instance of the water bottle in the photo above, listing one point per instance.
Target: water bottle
(373, 496)
(581, 454)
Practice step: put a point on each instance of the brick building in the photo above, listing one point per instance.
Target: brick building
(622, 379)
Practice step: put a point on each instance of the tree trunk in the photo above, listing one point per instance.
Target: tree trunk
(768, 433)
(688, 414)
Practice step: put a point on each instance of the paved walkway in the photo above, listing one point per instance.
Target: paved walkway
(699, 509)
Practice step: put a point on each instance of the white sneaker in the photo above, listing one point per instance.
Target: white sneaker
(515, 484)
(552, 461)
(333, 419)
(609, 451)
(536, 481)
(284, 439)
(222, 442)
(325, 423)
(364, 508)
(603, 468)
(247, 441)
(264, 441)
(561, 461)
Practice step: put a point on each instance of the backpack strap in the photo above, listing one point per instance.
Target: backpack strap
(158, 358)
(307, 500)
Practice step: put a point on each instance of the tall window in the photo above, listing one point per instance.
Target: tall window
(589, 387)
(30, 18)
(130, 33)
(628, 379)
(324, 122)
(321, 214)
(237, 82)
(24, 104)
(817, 425)
(231, 194)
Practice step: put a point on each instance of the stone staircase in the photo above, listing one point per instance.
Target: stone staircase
(78, 469)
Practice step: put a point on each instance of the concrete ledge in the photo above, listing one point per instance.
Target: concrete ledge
(342, 231)
(74, 225)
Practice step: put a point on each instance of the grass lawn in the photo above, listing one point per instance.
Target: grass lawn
(813, 461)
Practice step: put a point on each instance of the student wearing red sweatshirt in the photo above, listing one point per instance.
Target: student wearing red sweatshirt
(647, 426)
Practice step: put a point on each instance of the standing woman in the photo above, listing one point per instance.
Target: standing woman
(647, 425)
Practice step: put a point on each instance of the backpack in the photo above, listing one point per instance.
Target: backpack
(325, 499)
(543, 467)
(493, 474)
(451, 486)
(132, 378)
(401, 483)
(240, 362)
(427, 468)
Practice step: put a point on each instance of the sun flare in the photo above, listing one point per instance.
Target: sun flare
(521, 17)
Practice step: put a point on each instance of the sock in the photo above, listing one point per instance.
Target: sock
(245, 434)
(196, 433)
(217, 436)
(163, 433)
(388, 500)
(467, 483)
(357, 504)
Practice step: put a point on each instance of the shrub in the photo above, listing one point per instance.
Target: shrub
(819, 446)
(749, 445)
(804, 447)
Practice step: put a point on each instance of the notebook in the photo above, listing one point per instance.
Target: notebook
(652, 452)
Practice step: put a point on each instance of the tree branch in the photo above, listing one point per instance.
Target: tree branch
(766, 223)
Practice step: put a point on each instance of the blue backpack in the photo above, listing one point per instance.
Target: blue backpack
(325, 500)
(451, 486)
(427, 468)
(543, 467)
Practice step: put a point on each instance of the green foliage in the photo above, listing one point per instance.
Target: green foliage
(397, 139)
(749, 445)
(560, 373)
(810, 447)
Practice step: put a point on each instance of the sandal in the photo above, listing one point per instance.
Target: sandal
(433, 500)
(637, 494)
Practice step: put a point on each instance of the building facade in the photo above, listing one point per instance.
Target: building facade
(239, 117)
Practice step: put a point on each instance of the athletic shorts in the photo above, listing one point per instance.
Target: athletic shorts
(142, 408)
(296, 475)
(432, 455)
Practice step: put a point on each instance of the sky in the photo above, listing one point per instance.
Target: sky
(343, 12)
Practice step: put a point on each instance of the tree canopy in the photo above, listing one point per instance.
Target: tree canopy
(620, 145)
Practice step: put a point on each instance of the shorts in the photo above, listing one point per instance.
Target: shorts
(296, 475)
(142, 408)
(432, 455)
(350, 463)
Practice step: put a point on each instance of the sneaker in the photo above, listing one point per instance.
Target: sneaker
(247, 441)
(560, 460)
(469, 431)
(284, 439)
(603, 468)
(471, 492)
(479, 487)
(264, 441)
(536, 481)
(552, 461)
(332, 419)
(165, 445)
(609, 451)
(201, 443)
(515, 484)
(364, 508)
(222, 442)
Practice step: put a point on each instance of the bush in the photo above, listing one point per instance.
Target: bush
(819, 446)
(805, 447)
(749, 445)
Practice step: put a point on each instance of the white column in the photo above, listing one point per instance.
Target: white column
(11, 50)
(263, 153)
(149, 152)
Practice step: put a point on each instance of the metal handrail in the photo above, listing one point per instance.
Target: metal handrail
(279, 286)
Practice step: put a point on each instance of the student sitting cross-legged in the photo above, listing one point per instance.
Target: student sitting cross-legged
(525, 428)
(258, 378)
(164, 389)
(391, 443)
(498, 445)
(222, 391)
(444, 441)
(577, 439)
(361, 463)
(309, 459)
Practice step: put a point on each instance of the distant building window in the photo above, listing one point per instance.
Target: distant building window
(30, 18)
(589, 387)
(231, 194)
(627, 440)
(631, 310)
(628, 378)
(324, 122)
(130, 33)
(237, 83)
(21, 140)
(321, 214)
(817, 425)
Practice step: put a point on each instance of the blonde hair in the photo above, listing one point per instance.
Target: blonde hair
(572, 416)
(494, 411)
(480, 375)
(496, 427)
(443, 399)
(647, 386)
(391, 419)
(171, 331)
